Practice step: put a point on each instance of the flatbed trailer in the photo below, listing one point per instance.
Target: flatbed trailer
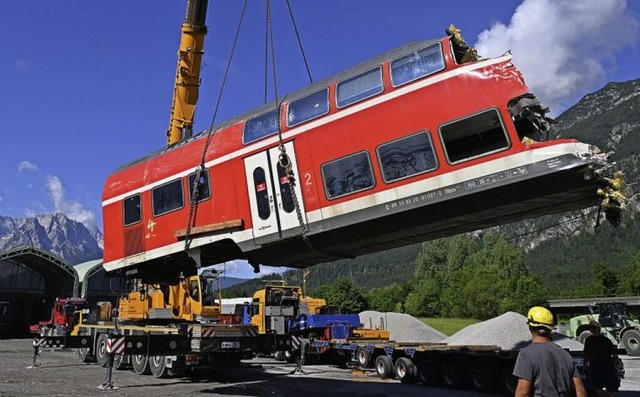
(484, 368)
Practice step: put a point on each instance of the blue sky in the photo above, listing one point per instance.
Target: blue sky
(87, 85)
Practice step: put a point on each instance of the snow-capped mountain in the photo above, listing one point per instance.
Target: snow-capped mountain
(55, 233)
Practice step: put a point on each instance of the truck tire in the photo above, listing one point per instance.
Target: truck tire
(583, 336)
(84, 354)
(120, 362)
(453, 374)
(427, 372)
(631, 342)
(384, 366)
(405, 370)
(483, 377)
(508, 382)
(140, 364)
(363, 357)
(101, 350)
(158, 366)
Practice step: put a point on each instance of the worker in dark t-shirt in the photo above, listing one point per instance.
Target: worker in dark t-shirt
(600, 356)
(545, 369)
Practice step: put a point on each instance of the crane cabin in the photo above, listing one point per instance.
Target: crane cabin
(421, 142)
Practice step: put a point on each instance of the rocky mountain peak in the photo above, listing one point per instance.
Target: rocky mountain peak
(55, 233)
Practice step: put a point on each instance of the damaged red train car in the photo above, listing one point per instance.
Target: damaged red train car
(421, 142)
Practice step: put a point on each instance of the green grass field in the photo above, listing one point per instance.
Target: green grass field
(448, 326)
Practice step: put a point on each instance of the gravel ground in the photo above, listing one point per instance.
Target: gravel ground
(60, 374)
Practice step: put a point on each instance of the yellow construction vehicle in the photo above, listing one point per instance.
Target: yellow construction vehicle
(193, 299)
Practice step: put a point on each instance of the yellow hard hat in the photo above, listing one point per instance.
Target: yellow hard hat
(539, 316)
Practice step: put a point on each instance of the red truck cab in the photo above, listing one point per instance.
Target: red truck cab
(63, 317)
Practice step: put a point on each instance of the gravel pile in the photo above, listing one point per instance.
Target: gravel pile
(509, 331)
(402, 327)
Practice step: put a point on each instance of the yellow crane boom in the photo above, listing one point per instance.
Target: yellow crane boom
(187, 83)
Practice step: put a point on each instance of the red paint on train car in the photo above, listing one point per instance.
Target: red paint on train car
(247, 183)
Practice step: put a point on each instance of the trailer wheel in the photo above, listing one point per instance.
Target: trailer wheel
(84, 354)
(279, 356)
(508, 382)
(631, 342)
(101, 350)
(405, 370)
(158, 366)
(140, 364)
(483, 378)
(453, 374)
(120, 362)
(426, 372)
(363, 357)
(384, 367)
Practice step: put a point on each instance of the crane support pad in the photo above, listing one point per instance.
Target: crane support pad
(213, 228)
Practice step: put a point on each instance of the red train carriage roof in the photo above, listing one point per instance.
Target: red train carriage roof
(364, 66)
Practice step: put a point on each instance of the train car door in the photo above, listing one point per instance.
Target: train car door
(273, 208)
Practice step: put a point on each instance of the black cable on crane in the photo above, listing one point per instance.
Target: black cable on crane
(295, 28)
(193, 202)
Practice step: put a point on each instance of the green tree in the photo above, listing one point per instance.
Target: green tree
(386, 299)
(424, 300)
(344, 293)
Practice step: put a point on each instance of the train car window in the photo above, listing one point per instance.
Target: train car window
(262, 195)
(406, 157)
(167, 198)
(360, 87)
(347, 175)
(132, 210)
(417, 64)
(285, 189)
(309, 107)
(261, 126)
(204, 191)
(474, 136)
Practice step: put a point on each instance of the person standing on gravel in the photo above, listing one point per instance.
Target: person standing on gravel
(543, 368)
(600, 357)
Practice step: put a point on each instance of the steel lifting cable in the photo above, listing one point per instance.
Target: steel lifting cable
(283, 159)
(295, 28)
(193, 201)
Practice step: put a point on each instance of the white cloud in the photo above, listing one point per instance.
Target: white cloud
(563, 47)
(27, 166)
(72, 209)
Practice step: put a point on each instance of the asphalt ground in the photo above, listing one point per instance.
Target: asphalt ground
(61, 374)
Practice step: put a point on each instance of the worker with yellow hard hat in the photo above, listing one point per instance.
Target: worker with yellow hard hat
(543, 368)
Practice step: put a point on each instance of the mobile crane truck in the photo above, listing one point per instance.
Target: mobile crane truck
(329, 335)
(162, 329)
